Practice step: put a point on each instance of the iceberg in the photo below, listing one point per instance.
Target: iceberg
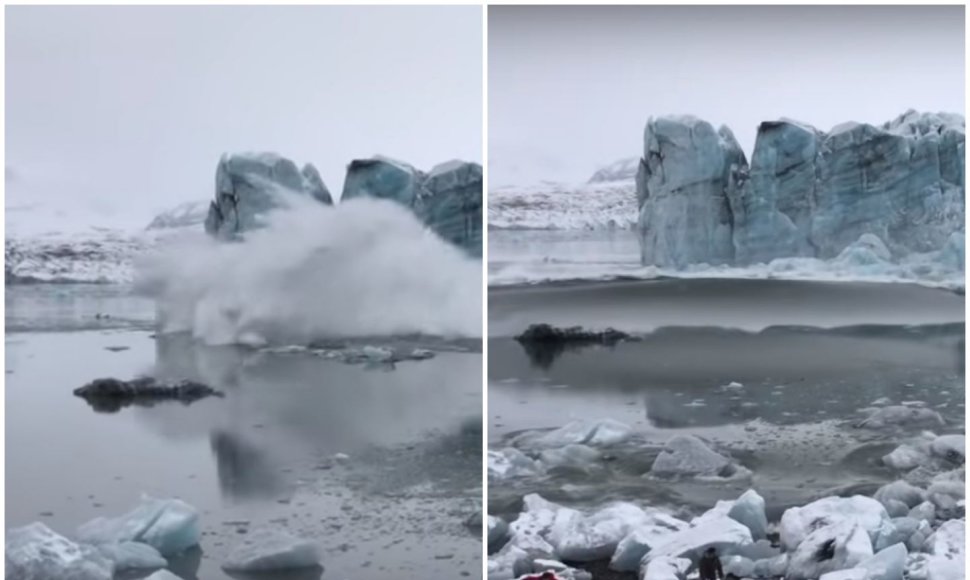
(688, 455)
(269, 549)
(599, 433)
(167, 525)
(162, 575)
(35, 552)
(448, 199)
(248, 185)
(862, 193)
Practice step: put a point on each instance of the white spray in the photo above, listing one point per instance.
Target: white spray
(366, 267)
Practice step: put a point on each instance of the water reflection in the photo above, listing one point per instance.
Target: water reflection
(283, 412)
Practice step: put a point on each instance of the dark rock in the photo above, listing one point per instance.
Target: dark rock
(110, 395)
(544, 343)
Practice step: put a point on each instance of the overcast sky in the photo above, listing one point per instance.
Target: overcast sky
(571, 88)
(128, 109)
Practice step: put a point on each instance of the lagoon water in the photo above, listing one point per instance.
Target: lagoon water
(265, 454)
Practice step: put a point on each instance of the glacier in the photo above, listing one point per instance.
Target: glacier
(448, 199)
(250, 184)
(804, 194)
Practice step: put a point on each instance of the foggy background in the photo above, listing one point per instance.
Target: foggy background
(115, 113)
(571, 88)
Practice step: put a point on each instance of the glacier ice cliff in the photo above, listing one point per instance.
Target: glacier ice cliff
(805, 193)
(250, 184)
(448, 199)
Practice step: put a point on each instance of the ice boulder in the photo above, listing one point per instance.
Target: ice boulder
(739, 566)
(899, 531)
(168, 525)
(901, 416)
(498, 531)
(772, 567)
(947, 549)
(133, 556)
(35, 552)
(900, 491)
(829, 548)
(798, 522)
(249, 185)
(572, 456)
(162, 575)
(270, 549)
(688, 455)
(665, 568)
(952, 448)
(599, 433)
(725, 534)
(686, 176)
(509, 462)
(631, 549)
(749, 509)
(595, 537)
(887, 564)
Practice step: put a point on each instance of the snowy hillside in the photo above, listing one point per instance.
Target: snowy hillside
(557, 206)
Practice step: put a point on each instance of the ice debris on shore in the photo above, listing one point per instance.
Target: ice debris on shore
(140, 539)
(833, 538)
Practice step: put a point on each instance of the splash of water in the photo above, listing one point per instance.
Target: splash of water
(362, 268)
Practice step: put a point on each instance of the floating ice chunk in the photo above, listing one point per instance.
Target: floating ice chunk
(724, 534)
(593, 433)
(665, 568)
(686, 455)
(749, 509)
(35, 552)
(510, 462)
(901, 415)
(901, 491)
(868, 250)
(829, 548)
(168, 525)
(576, 456)
(133, 556)
(269, 549)
(798, 522)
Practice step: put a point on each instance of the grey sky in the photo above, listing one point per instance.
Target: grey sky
(128, 108)
(571, 88)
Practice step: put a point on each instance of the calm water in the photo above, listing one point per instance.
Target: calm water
(810, 355)
(264, 454)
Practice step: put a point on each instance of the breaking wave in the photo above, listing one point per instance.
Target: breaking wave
(362, 268)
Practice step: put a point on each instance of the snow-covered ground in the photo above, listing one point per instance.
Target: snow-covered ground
(559, 206)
